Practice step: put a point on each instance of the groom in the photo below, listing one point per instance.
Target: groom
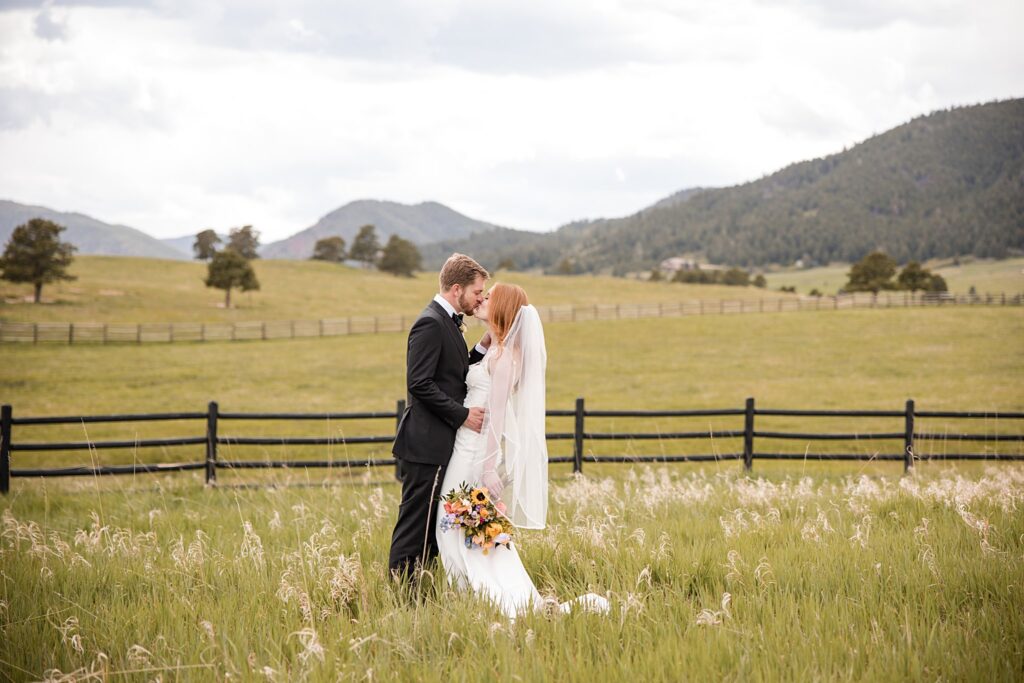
(436, 367)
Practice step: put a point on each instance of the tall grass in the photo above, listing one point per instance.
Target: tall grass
(711, 576)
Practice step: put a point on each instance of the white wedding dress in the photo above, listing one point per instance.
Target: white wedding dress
(499, 576)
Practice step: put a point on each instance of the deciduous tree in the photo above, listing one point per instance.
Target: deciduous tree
(330, 249)
(229, 269)
(245, 241)
(400, 257)
(205, 245)
(365, 246)
(872, 273)
(36, 254)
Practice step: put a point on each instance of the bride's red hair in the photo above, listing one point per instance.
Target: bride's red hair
(502, 306)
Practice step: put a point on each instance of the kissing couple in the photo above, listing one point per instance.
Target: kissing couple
(472, 441)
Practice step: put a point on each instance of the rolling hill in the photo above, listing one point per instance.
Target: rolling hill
(418, 223)
(946, 184)
(89, 235)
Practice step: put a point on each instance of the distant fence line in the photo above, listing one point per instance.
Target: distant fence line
(142, 333)
(907, 435)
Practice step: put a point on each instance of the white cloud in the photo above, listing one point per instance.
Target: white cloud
(172, 117)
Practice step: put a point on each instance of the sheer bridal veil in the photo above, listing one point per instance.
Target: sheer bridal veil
(516, 449)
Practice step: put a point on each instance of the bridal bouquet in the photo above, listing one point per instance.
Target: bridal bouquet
(484, 521)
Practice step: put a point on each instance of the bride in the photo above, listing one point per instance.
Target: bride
(508, 456)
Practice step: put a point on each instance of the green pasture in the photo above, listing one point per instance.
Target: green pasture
(711, 576)
(984, 275)
(945, 359)
(804, 571)
(134, 290)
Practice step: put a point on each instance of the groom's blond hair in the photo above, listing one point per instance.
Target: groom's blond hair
(462, 270)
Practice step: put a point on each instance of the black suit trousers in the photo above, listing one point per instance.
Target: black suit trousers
(413, 542)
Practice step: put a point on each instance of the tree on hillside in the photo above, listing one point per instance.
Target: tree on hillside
(506, 264)
(36, 254)
(913, 277)
(759, 281)
(400, 257)
(565, 267)
(872, 273)
(330, 249)
(736, 277)
(205, 245)
(229, 269)
(937, 283)
(245, 241)
(365, 246)
(656, 275)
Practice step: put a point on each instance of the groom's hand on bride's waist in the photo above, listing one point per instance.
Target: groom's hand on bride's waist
(475, 419)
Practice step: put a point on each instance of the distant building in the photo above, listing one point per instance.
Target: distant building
(677, 263)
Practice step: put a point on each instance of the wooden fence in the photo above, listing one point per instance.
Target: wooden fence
(212, 418)
(142, 333)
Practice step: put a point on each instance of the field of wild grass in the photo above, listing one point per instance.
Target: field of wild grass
(711, 576)
(799, 571)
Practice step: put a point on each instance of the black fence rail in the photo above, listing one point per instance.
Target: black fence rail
(745, 429)
(144, 333)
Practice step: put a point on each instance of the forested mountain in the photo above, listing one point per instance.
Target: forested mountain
(946, 184)
(89, 235)
(418, 223)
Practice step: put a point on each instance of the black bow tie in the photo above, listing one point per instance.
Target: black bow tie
(457, 317)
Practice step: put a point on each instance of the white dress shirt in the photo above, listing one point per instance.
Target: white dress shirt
(451, 311)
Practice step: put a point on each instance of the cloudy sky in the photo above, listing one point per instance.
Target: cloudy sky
(176, 115)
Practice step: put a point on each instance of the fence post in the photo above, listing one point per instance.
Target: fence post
(908, 437)
(399, 412)
(104, 333)
(35, 333)
(748, 436)
(211, 443)
(138, 333)
(577, 451)
(5, 449)
(71, 333)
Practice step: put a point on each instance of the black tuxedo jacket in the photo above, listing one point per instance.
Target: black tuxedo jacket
(436, 367)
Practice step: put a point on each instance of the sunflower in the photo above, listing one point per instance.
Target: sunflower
(479, 496)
